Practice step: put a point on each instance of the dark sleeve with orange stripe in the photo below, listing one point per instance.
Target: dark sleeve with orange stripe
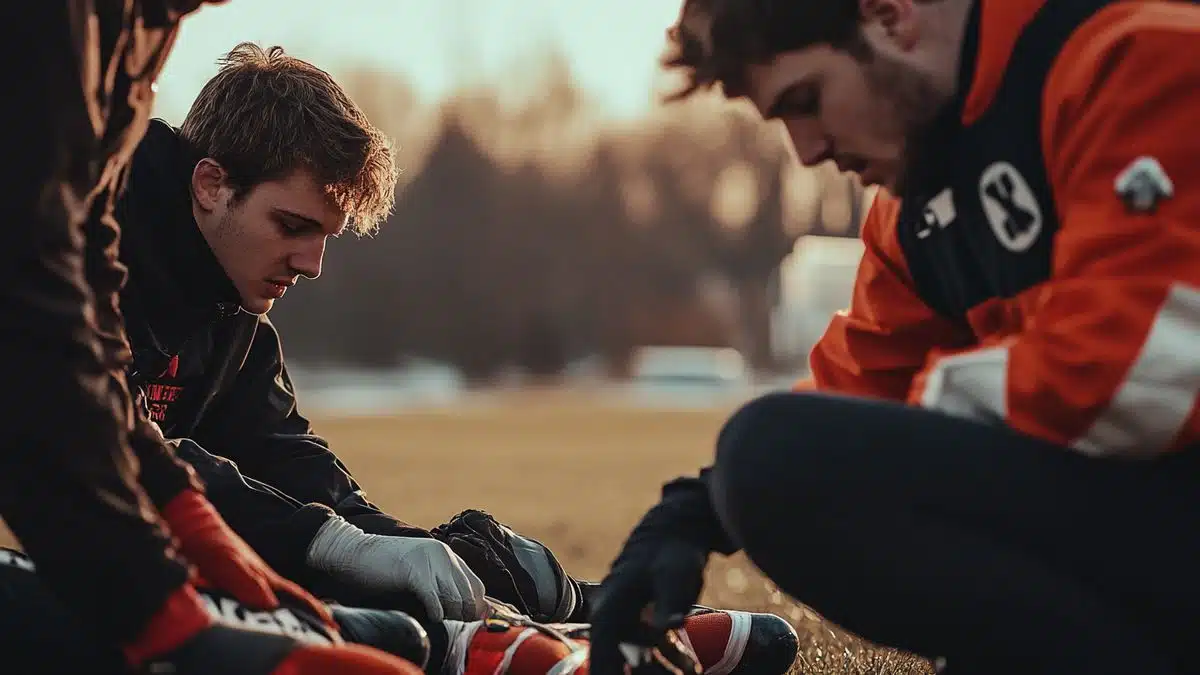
(876, 346)
(1109, 361)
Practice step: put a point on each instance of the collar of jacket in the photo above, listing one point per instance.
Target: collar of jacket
(170, 262)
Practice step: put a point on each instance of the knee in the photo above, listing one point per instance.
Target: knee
(760, 458)
(765, 430)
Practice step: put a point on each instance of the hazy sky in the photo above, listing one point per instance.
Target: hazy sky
(612, 45)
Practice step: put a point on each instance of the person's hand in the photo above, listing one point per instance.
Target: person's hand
(657, 577)
(425, 567)
(226, 562)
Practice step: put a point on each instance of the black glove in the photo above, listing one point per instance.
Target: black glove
(662, 563)
(515, 569)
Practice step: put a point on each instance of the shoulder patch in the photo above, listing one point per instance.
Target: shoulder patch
(1143, 184)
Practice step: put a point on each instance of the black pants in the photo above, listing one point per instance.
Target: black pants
(77, 98)
(953, 539)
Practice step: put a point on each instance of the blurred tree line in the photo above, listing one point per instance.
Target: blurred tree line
(530, 233)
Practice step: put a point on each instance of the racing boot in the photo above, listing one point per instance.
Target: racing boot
(516, 645)
(731, 642)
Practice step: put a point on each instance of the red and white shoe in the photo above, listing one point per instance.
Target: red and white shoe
(729, 642)
(502, 647)
(714, 642)
(509, 644)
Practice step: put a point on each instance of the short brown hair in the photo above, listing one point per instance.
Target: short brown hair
(266, 114)
(715, 40)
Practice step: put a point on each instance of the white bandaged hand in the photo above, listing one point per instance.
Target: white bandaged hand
(425, 567)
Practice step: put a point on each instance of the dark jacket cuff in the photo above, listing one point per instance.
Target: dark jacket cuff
(292, 544)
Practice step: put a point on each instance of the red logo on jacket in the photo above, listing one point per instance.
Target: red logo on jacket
(160, 395)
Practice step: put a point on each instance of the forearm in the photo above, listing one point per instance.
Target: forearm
(371, 519)
(278, 527)
(308, 472)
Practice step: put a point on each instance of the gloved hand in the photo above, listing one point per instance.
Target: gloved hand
(657, 576)
(225, 561)
(425, 567)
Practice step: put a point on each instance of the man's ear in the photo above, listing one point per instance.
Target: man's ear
(208, 184)
(896, 19)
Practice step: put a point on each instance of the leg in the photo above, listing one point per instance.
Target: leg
(949, 538)
(68, 482)
(37, 630)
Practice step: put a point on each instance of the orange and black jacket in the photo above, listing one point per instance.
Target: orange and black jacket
(1014, 282)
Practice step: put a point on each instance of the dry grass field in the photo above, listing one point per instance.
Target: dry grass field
(576, 476)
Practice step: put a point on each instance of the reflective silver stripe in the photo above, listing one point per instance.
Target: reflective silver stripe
(973, 385)
(735, 645)
(1144, 417)
(1159, 393)
(460, 636)
(570, 663)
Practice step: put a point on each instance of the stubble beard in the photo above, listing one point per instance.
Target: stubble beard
(917, 109)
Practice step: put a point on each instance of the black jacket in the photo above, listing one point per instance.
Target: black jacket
(212, 376)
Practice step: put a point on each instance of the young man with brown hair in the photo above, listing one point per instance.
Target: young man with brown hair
(996, 459)
(222, 216)
(119, 528)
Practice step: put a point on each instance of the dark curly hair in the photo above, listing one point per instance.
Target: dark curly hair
(714, 40)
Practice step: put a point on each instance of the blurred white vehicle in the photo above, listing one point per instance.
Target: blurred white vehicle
(812, 284)
(687, 377)
(689, 365)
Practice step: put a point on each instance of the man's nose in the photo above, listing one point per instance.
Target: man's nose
(809, 140)
(307, 260)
